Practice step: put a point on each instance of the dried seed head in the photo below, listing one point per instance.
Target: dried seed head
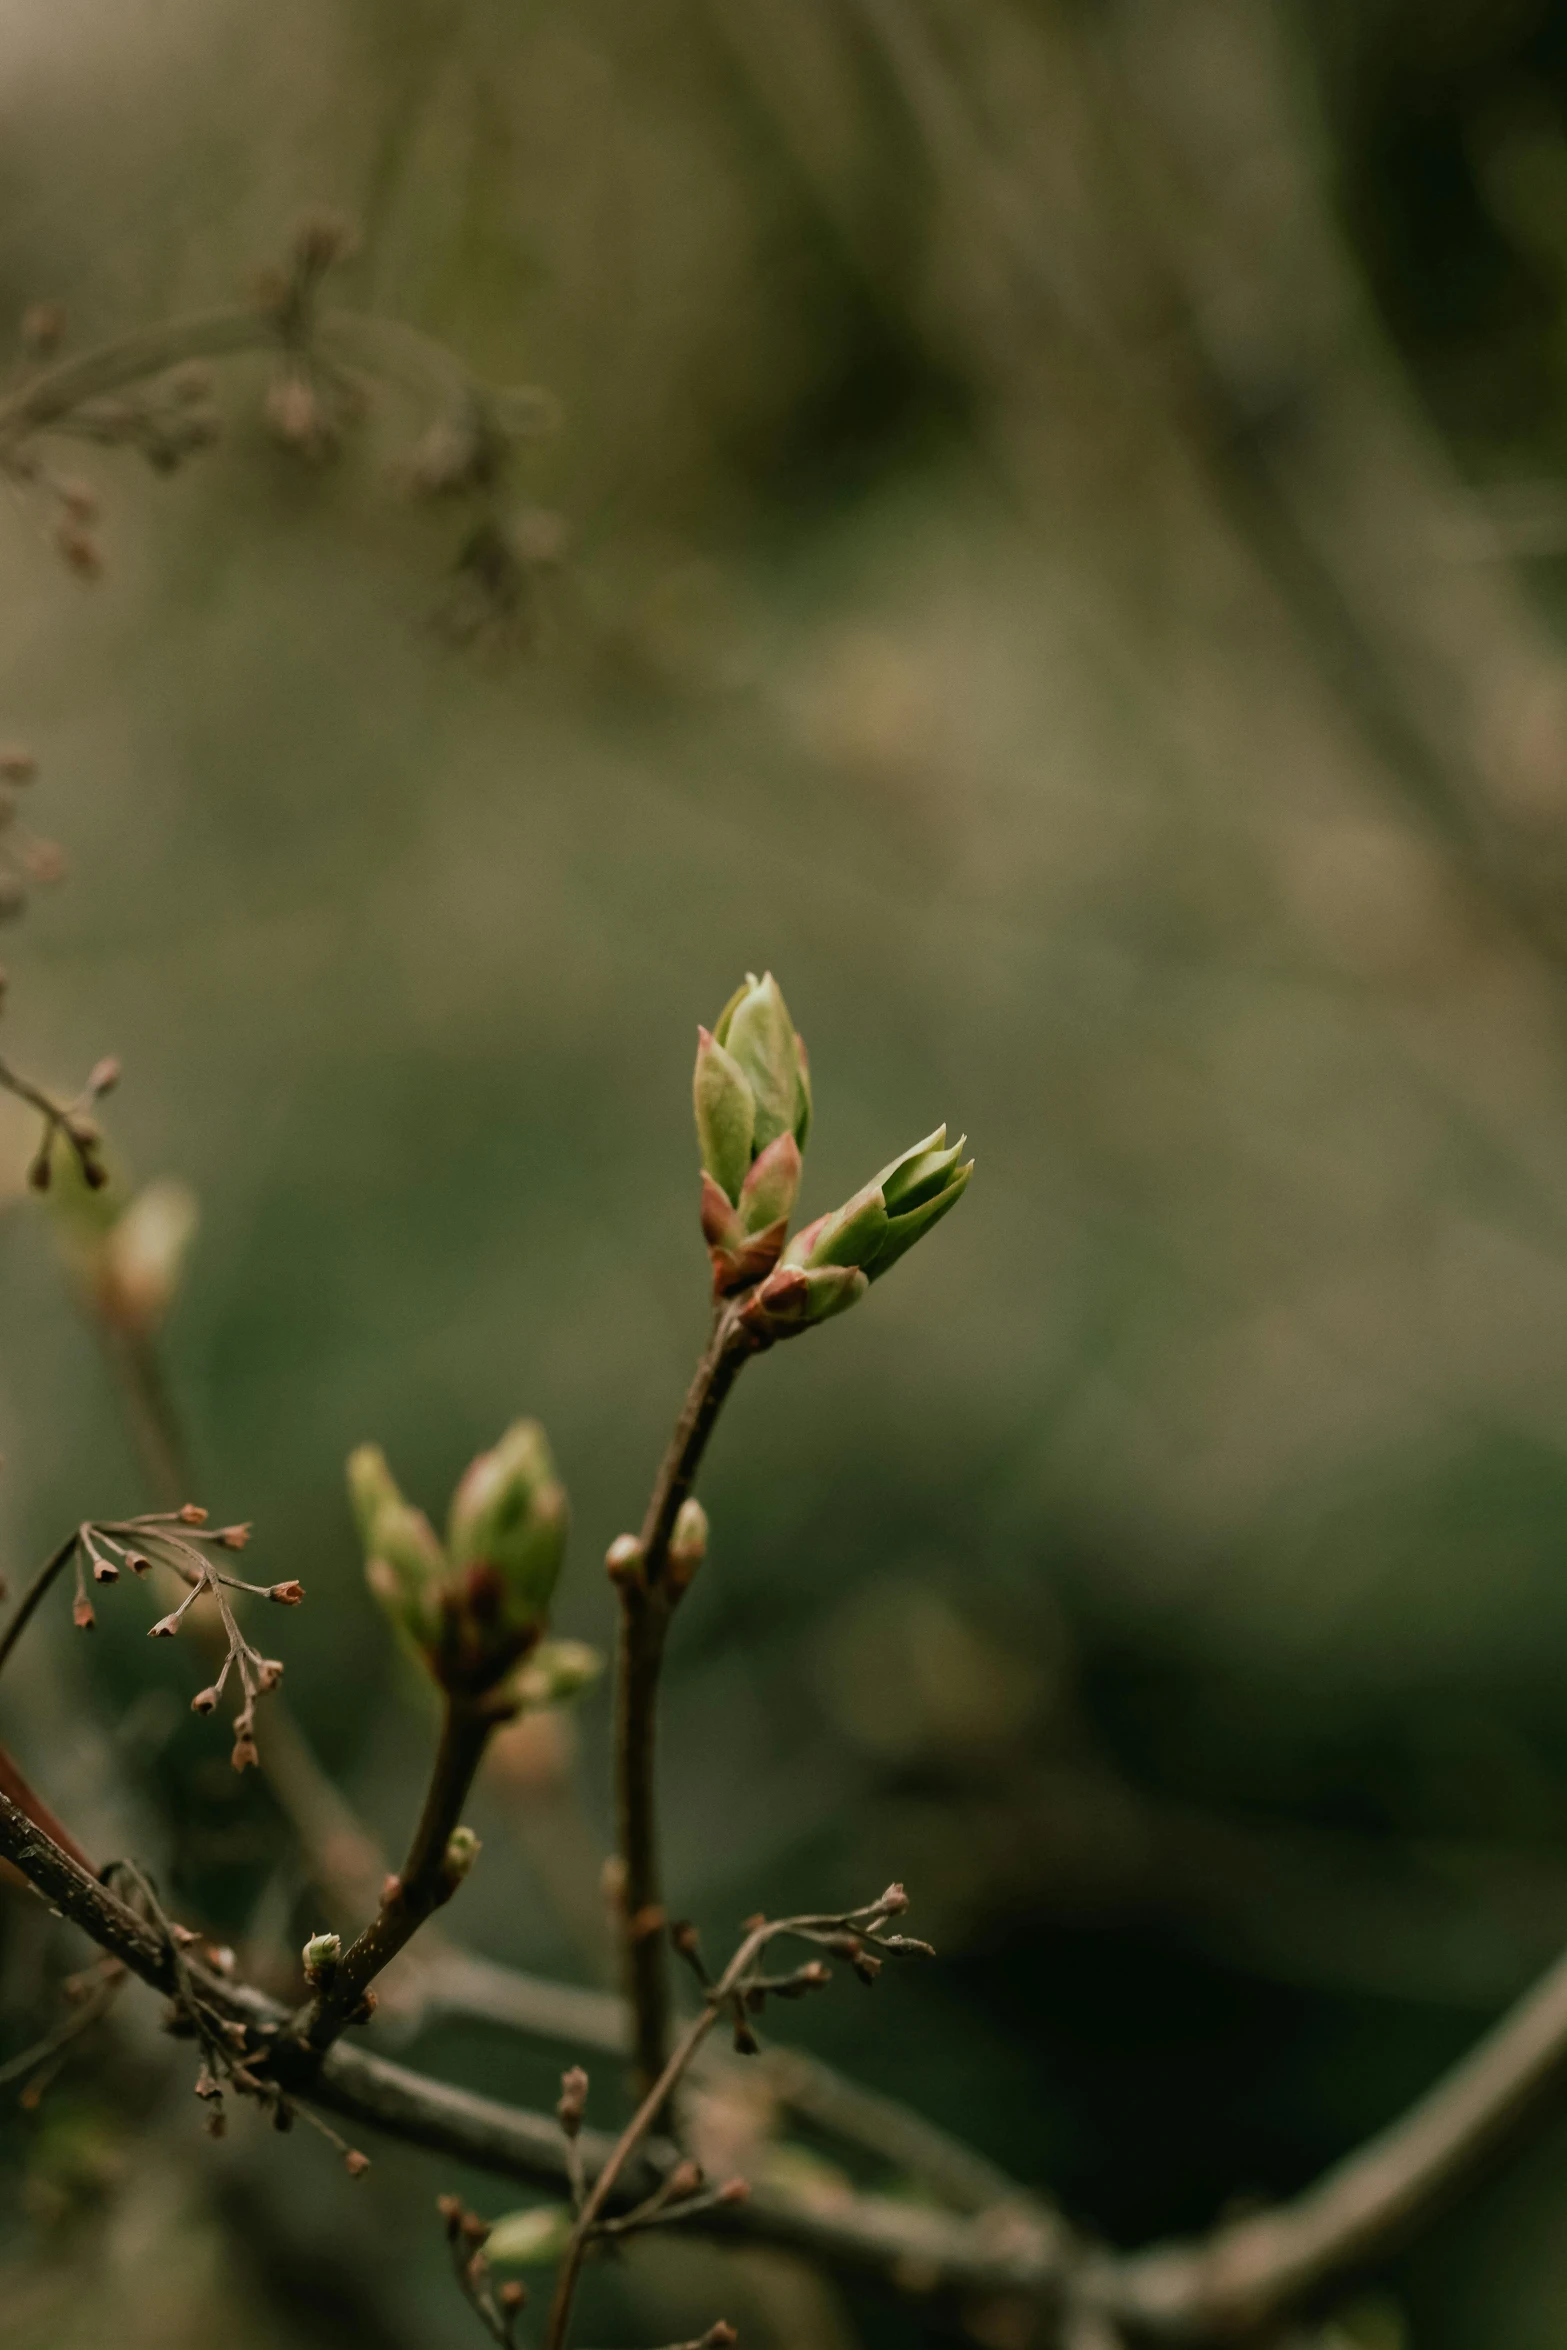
(269, 1673)
(355, 2163)
(104, 1076)
(287, 1594)
(164, 1629)
(105, 1571)
(204, 1702)
(246, 1754)
(82, 1612)
(234, 1537)
(893, 1902)
(192, 1514)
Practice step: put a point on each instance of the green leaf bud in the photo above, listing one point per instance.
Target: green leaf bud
(725, 1115)
(879, 1224)
(509, 1511)
(529, 2239)
(404, 1562)
(752, 1095)
(556, 1672)
(320, 1954)
(687, 1542)
(756, 1031)
(796, 1298)
(462, 1850)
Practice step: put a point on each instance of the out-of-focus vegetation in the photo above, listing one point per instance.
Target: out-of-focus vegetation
(1062, 516)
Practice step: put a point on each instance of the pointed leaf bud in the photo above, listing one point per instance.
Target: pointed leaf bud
(756, 1031)
(687, 1542)
(404, 1563)
(725, 1115)
(556, 1672)
(509, 1516)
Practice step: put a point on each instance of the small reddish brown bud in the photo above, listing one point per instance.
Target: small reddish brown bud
(684, 2180)
(220, 1958)
(269, 1672)
(474, 2230)
(735, 2191)
(185, 1936)
(104, 1078)
(204, 1702)
(82, 1612)
(246, 1754)
(192, 1514)
(573, 2100)
(391, 1887)
(234, 1537)
(754, 1923)
(450, 2209)
(164, 1629)
(105, 1571)
(513, 2295)
(287, 1594)
(136, 1562)
(893, 1902)
(355, 2163)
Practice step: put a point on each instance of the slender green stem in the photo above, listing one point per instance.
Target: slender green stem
(647, 1601)
(425, 1883)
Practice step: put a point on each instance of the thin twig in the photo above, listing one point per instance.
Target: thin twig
(427, 1880)
(54, 1565)
(647, 1601)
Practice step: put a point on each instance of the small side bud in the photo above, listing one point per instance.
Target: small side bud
(687, 1543)
(287, 1594)
(320, 1955)
(573, 2100)
(462, 1850)
(623, 1559)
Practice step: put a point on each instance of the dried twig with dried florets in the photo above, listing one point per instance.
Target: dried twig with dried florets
(497, 2307)
(741, 1991)
(181, 1541)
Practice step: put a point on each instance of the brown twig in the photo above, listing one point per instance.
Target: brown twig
(648, 1597)
(428, 1879)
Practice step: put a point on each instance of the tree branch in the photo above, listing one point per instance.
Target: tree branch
(647, 1601)
(430, 1876)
